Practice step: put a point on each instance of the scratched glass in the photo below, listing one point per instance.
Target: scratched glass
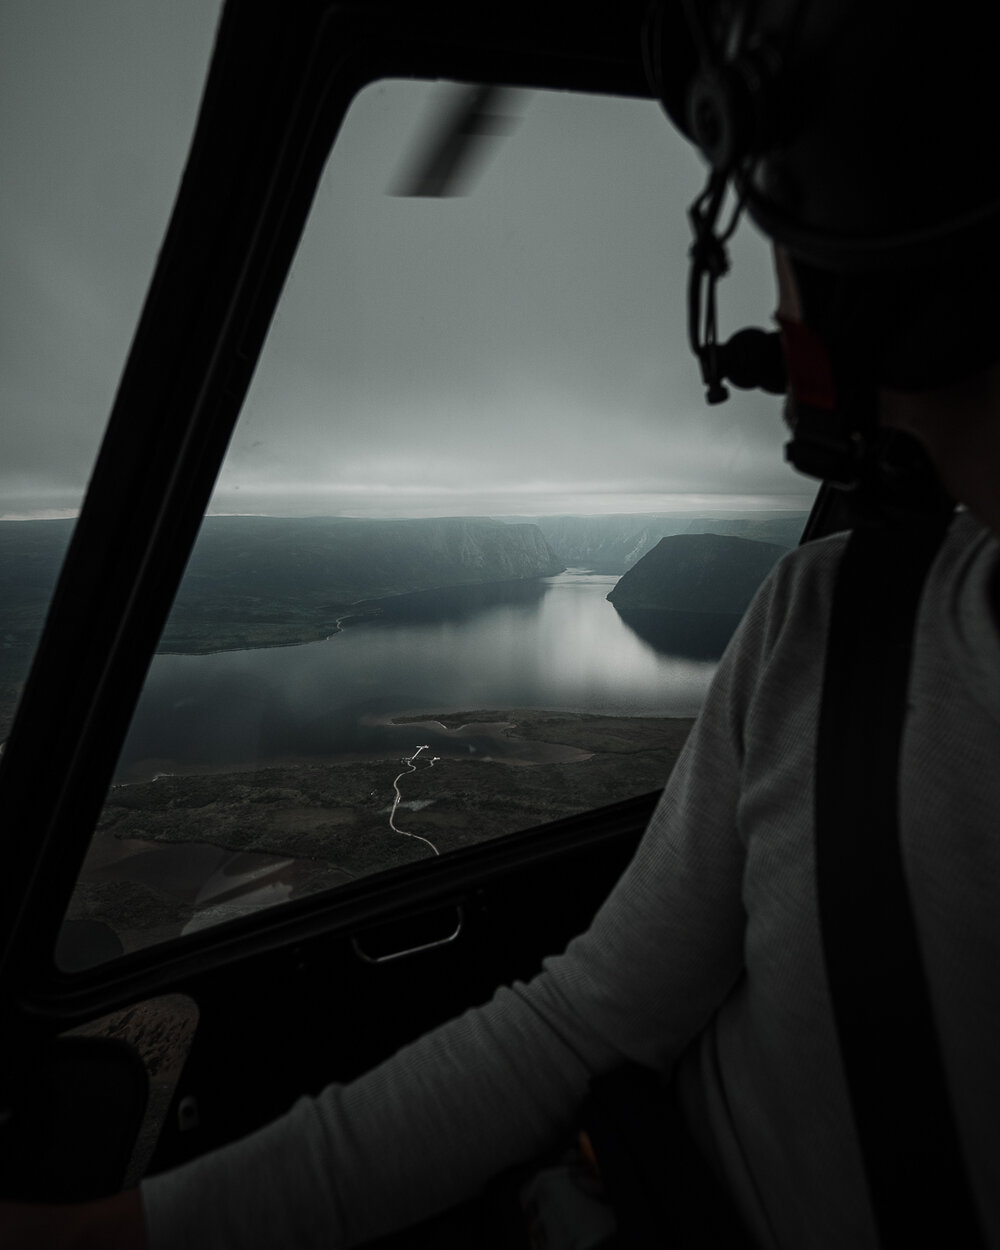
(349, 682)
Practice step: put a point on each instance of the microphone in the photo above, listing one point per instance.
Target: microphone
(752, 359)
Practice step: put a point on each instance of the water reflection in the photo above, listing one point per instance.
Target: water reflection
(555, 643)
(692, 635)
(462, 603)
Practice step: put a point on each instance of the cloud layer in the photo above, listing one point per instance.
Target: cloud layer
(514, 349)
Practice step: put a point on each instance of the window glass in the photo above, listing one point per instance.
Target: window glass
(97, 105)
(474, 414)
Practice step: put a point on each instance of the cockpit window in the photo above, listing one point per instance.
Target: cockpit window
(475, 419)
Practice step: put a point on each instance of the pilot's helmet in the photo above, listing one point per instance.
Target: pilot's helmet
(860, 134)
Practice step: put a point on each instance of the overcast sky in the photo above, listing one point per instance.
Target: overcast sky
(520, 349)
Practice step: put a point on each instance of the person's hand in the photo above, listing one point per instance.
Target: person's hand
(109, 1224)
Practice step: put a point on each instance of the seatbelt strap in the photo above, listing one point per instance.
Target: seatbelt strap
(917, 1180)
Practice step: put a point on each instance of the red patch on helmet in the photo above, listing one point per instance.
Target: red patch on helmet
(810, 370)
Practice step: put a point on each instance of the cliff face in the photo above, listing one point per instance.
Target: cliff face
(269, 581)
(265, 581)
(608, 544)
(343, 560)
(696, 573)
(784, 530)
(615, 543)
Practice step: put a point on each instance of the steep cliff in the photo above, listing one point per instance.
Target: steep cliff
(344, 560)
(258, 581)
(266, 581)
(615, 543)
(783, 529)
(608, 544)
(696, 573)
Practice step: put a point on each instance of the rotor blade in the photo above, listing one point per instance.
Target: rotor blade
(461, 139)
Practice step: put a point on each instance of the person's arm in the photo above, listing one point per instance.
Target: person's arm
(499, 1084)
(115, 1223)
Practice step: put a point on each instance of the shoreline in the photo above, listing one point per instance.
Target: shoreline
(542, 732)
(185, 851)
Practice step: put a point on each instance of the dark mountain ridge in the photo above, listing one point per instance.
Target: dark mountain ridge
(272, 581)
(697, 574)
(615, 543)
(347, 559)
(256, 581)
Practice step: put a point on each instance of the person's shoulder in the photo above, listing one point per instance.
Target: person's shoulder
(967, 534)
(790, 611)
(812, 567)
(814, 560)
(802, 580)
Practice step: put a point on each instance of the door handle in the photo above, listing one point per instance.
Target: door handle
(398, 939)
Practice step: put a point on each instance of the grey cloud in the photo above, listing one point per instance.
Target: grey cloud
(530, 333)
(97, 104)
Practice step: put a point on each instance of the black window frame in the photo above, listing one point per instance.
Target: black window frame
(279, 85)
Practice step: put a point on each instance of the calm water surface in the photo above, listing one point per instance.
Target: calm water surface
(555, 643)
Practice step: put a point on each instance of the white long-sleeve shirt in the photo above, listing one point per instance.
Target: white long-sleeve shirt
(712, 934)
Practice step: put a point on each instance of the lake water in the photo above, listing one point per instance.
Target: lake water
(555, 643)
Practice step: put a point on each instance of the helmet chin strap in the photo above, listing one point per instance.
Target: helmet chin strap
(833, 407)
(882, 476)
